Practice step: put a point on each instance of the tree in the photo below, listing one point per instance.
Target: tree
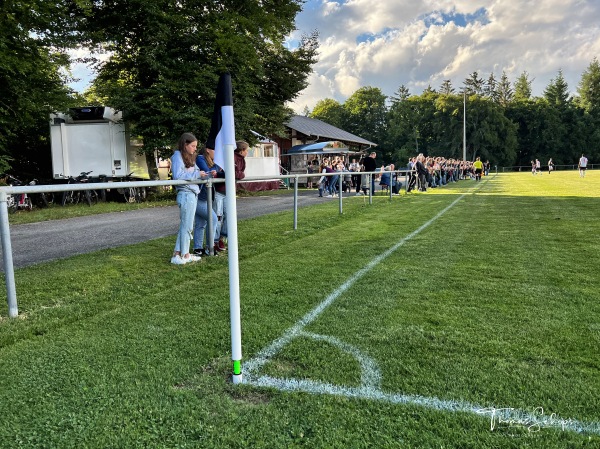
(522, 87)
(447, 131)
(589, 88)
(330, 111)
(589, 101)
(473, 85)
(504, 91)
(490, 88)
(490, 134)
(167, 57)
(366, 112)
(31, 82)
(401, 94)
(557, 91)
(446, 88)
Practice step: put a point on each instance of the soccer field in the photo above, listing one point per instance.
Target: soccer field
(467, 316)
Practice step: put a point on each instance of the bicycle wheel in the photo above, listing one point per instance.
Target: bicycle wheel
(42, 200)
(91, 197)
(12, 204)
(67, 198)
(131, 195)
(70, 197)
(88, 197)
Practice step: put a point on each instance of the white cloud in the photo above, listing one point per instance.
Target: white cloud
(424, 42)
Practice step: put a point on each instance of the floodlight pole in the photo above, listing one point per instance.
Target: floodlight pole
(465, 126)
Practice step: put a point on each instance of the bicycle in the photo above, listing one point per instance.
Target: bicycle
(17, 201)
(132, 194)
(74, 196)
(41, 199)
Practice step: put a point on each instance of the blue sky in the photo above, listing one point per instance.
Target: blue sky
(387, 43)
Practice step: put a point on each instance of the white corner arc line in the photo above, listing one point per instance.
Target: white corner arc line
(370, 377)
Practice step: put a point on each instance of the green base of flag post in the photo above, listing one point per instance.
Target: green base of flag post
(237, 372)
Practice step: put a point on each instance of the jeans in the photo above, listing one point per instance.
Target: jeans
(322, 188)
(334, 184)
(200, 225)
(219, 207)
(186, 200)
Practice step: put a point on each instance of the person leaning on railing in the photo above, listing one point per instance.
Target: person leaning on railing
(390, 180)
(184, 167)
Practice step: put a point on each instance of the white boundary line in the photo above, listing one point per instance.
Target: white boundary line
(371, 377)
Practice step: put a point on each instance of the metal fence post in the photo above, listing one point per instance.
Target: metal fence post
(341, 183)
(211, 226)
(296, 203)
(9, 271)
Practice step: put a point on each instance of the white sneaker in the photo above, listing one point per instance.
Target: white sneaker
(178, 260)
(359, 193)
(192, 258)
(328, 196)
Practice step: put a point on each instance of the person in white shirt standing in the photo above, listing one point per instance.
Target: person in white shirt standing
(582, 166)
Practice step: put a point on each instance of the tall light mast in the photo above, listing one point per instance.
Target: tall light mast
(465, 125)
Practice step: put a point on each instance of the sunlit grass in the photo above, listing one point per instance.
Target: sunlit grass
(494, 303)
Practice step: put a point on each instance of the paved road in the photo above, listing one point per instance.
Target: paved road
(49, 240)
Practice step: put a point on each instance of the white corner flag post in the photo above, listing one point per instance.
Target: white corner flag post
(223, 131)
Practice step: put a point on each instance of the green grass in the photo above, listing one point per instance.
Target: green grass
(495, 303)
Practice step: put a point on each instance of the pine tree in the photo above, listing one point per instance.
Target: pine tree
(489, 89)
(522, 90)
(400, 95)
(446, 88)
(474, 85)
(557, 92)
(504, 91)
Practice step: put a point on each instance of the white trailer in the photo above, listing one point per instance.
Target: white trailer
(262, 161)
(94, 139)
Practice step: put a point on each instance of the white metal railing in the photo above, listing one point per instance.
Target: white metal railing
(7, 255)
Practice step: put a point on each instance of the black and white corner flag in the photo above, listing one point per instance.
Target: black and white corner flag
(222, 128)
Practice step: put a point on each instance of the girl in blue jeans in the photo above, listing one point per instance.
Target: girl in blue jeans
(184, 167)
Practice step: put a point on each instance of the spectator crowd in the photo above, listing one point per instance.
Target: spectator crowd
(422, 173)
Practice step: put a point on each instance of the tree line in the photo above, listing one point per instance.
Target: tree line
(504, 123)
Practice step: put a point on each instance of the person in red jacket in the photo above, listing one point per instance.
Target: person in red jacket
(239, 161)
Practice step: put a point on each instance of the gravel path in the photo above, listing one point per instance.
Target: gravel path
(41, 242)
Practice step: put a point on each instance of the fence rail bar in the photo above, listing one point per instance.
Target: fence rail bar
(5, 191)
